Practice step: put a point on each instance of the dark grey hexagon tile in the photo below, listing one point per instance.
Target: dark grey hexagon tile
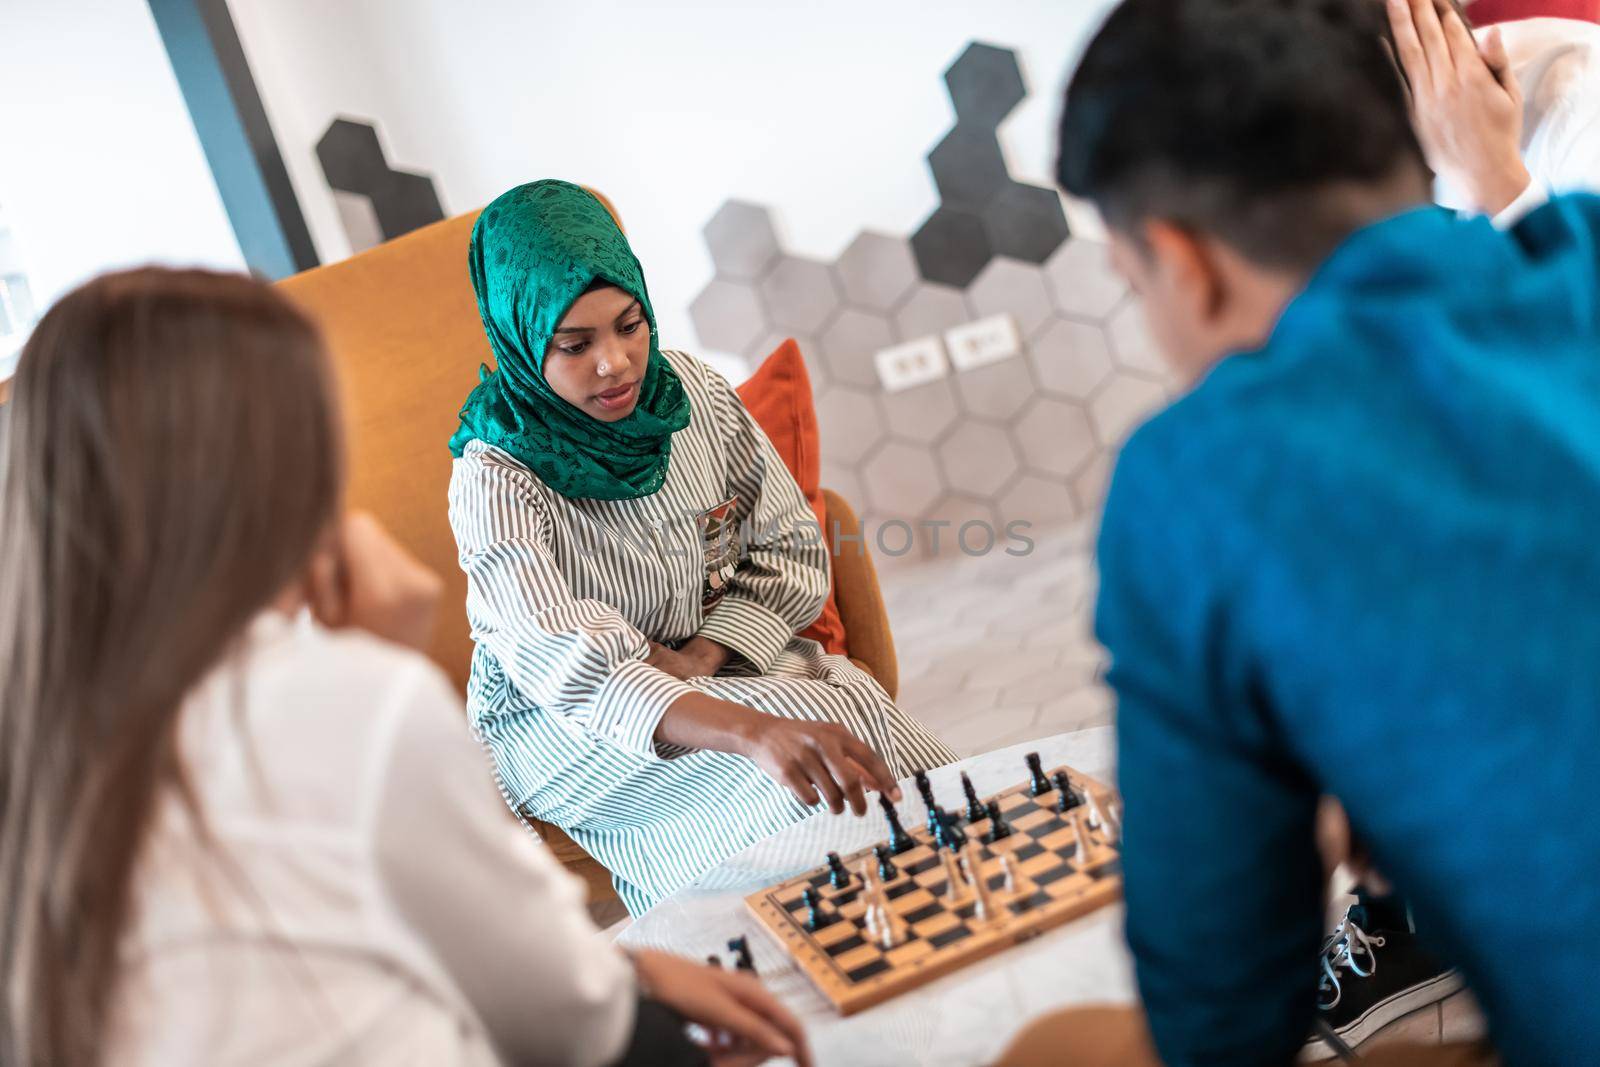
(922, 413)
(849, 344)
(968, 167)
(758, 350)
(799, 294)
(901, 480)
(1009, 287)
(404, 202)
(978, 458)
(1055, 437)
(876, 271)
(1026, 222)
(1082, 280)
(929, 311)
(985, 83)
(742, 239)
(727, 316)
(951, 247)
(351, 157)
(849, 423)
(1124, 403)
(1131, 343)
(997, 391)
(1043, 502)
(1070, 358)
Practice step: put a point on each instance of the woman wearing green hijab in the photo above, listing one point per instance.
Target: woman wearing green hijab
(639, 563)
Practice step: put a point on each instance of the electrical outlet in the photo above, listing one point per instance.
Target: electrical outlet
(977, 344)
(910, 364)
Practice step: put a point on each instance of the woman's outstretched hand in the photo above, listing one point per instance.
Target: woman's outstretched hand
(746, 1023)
(819, 760)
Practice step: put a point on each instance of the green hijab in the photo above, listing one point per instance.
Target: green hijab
(533, 252)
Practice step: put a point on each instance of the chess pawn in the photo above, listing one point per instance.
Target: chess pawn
(1097, 819)
(1082, 838)
(1008, 870)
(984, 908)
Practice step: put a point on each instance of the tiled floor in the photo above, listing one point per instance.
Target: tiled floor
(997, 649)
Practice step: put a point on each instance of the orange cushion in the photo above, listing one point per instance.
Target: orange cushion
(778, 396)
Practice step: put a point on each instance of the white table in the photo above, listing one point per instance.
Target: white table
(962, 1019)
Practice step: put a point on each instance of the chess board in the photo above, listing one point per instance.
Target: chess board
(1053, 884)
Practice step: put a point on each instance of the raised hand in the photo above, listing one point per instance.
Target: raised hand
(1465, 102)
(820, 761)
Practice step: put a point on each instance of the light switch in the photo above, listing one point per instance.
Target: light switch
(912, 363)
(984, 341)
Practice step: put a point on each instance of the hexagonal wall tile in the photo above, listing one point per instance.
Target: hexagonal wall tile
(742, 239)
(1025, 222)
(799, 294)
(1131, 343)
(849, 423)
(1071, 358)
(727, 316)
(978, 458)
(876, 271)
(1055, 437)
(901, 480)
(758, 350)
(849, 344)
(968, 166)
(1123, 404)
(1010, 287)
(951, 247)
(922, 413)
(846, 482)
(1044, 502)
(997, 391)
(1089, 484)
(985, 83)
(1082, 280)
(958, 510)
(930, 310)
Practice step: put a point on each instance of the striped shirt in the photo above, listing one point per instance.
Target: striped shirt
(564, 596)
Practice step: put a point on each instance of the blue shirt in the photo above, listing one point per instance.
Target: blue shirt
(1365, 560)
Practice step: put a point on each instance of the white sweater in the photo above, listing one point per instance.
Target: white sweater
(367, 897)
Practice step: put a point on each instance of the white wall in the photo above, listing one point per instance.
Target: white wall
(823, 110)
(100, 166)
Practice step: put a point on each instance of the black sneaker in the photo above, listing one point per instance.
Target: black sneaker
(1371, 976)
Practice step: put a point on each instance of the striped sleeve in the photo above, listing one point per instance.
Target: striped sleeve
(783, 579)
(576, 657)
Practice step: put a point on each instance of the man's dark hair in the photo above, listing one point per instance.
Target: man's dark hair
(1239, 118)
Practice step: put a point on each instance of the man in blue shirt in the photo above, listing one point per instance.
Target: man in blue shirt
(1359, 557)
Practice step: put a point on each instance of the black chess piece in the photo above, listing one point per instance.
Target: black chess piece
(946, 829)
(899, 840)
(1038, 784)
(887, 871)
(925, 787)
(975, 810)
(740, 947)
(998, 827)
(1069, 798)
(714, 960)
(814, 918)
(838, 877)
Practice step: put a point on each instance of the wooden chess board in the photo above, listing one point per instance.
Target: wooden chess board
(1053, 884)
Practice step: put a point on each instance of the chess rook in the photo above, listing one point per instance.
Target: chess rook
(1038, 784)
